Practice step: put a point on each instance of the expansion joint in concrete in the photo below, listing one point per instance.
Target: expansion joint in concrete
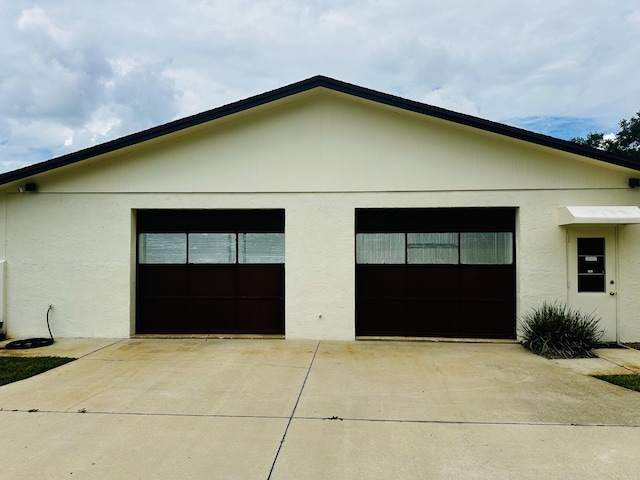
(293, 411)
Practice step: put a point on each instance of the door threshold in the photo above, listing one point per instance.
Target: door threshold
(207, 336)
(440, 339)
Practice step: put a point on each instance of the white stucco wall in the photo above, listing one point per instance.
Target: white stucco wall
(629, 283)
(71, 244)
(3, 262)
(325, 143)
(71, 251)
(81, 262)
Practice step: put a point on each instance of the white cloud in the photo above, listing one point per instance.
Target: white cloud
(451, 98)
(90, 71)
(36, 19)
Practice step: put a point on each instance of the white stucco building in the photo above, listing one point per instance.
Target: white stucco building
(320, 210)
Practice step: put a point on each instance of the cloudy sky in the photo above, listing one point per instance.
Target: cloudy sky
(74, 73)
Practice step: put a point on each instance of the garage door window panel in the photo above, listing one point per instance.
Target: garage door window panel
(486, 248)
(380, 248)
(212, 248)
(432, 248)
(162, 248)
(261, 248)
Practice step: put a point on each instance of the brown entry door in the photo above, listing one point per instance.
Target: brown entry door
(210, 272)
(435, 273)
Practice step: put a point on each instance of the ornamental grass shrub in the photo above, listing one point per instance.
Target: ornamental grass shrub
(557, 331)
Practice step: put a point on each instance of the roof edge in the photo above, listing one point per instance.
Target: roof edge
(303, 86)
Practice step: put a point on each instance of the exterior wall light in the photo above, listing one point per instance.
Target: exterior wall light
(28, 187)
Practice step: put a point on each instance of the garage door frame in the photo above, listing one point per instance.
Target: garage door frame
(241, 295)
(459, 300)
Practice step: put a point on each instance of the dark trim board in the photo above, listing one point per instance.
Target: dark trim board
(304, 86)
(472, 219)
(228, 220)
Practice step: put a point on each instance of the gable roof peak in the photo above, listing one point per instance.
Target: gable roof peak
(317, 81)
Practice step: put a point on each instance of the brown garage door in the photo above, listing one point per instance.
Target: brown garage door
(435, 272)
(210, 271)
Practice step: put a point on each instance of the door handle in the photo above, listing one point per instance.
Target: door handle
(612, 293)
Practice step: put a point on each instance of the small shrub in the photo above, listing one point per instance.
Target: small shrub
(556, 331)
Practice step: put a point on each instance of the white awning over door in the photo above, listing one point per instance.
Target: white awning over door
(598, 215)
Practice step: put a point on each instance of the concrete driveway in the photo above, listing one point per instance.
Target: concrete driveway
(269, 409)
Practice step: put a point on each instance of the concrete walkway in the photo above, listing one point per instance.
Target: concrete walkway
(273, 409)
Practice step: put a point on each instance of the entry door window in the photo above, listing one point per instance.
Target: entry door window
(591, 265)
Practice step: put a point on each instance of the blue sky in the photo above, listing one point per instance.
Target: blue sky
(77, 73)
(562, 127)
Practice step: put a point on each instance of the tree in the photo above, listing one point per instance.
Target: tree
(626, 142)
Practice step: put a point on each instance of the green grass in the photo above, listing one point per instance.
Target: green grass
(632, 382)
(13, 369)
